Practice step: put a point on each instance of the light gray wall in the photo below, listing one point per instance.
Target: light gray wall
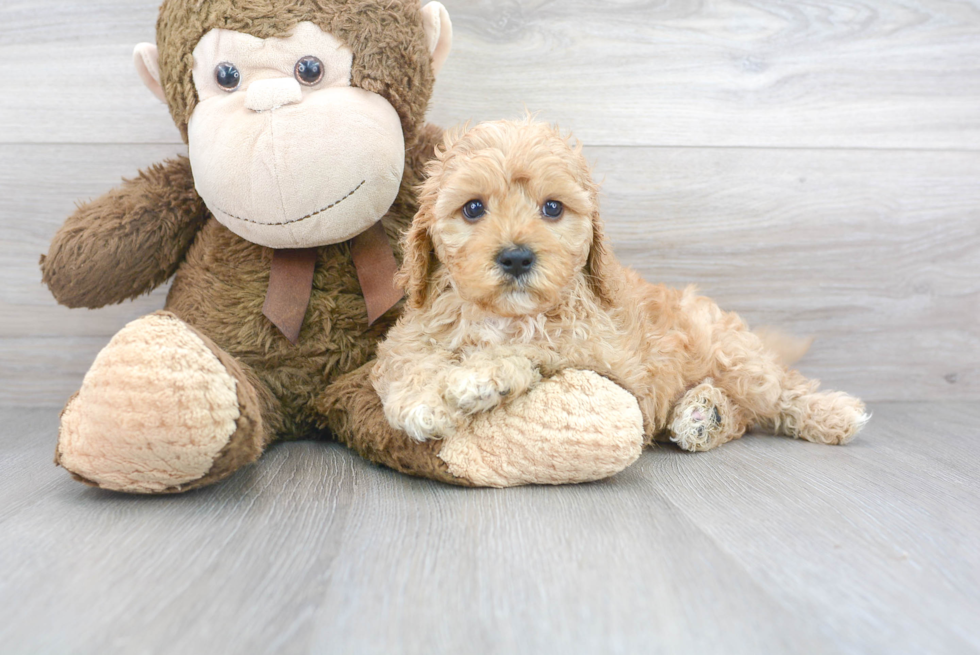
(815, 167)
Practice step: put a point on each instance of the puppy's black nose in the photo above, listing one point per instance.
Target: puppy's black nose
(516, 261)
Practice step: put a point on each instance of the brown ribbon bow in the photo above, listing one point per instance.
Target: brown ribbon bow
(291, 281)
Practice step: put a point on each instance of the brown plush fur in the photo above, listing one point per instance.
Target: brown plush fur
(355, 412)
(135, 237)
(256, 428)
(129, 241)
(474, 338)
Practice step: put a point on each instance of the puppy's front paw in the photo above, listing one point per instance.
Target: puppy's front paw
(424, 422)
(472, 392)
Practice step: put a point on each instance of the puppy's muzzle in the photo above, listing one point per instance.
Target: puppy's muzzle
(516, 262)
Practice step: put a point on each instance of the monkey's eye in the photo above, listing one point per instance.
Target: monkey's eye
(474, 210)
(553, 210)
(227, 76)
(309, 70)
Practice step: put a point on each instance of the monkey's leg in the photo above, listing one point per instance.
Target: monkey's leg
(575, 427)
(705, 418)
(352, 410)
(164, 410)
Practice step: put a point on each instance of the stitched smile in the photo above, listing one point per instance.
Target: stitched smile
(298, 220)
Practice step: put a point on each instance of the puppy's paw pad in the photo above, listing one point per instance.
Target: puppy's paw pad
(697, 427)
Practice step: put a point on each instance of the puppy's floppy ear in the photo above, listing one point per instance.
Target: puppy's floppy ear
(418, 258)
(600, 260)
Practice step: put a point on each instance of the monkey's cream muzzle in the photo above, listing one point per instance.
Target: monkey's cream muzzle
(285, 165)
(268, 95)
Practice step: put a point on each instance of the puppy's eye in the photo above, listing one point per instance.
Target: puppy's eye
(227, 76)
(553, 210)
(474, 210)
(309, 70)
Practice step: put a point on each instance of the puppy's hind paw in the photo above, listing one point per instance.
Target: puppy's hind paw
(704, 419)
(827, 417)
(697, 428)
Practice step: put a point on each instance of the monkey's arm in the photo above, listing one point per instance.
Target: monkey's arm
(129, 241)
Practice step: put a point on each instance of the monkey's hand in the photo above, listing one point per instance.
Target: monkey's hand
(129, 241)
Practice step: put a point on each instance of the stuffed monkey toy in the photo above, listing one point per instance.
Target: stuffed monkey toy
(306, 134)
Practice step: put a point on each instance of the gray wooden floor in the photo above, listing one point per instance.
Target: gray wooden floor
(764, 546)
(814, 166)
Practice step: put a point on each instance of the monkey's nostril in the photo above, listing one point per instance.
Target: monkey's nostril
(516, 261)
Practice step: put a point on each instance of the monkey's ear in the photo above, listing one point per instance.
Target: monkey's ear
(438, 33)
(146, 57)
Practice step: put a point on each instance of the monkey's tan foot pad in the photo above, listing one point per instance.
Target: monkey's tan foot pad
(704, 419)
(575, 427)
(154, 412)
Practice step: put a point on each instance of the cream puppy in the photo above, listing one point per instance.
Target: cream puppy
(510, 279)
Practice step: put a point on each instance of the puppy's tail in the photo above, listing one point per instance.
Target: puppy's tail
(787, 348)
